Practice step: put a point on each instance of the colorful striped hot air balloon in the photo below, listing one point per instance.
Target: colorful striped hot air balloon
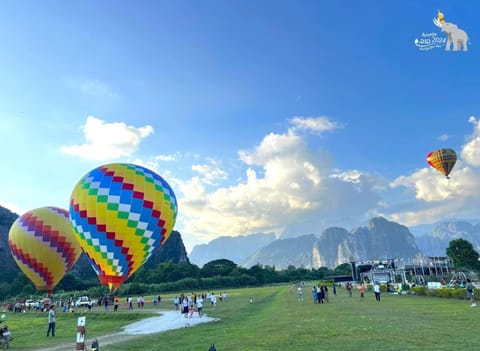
(44, 246)
(442, 160)
(121, 214)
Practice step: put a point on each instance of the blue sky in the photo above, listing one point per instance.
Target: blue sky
(262, 115)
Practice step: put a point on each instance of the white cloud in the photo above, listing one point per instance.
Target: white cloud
(314, 124)
(107, 141)
(440, 198)
(352, 176)
(444, 137)
(167, 158)
(211, 172)
(284, 181)
(471, 150)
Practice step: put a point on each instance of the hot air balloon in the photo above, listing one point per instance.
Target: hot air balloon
(442, 160)
(44, 246)
(121, 213)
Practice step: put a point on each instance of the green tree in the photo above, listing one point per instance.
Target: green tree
(463, 254)
(343, 269)
(220, 267)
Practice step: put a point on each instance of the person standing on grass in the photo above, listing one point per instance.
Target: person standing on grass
(200, 305)
(105, 304)
(321, 295)
(376, 290)
(51, 321)
(334, 287)
(470, 293)
(185, 307)
(361, 289)
(348, 286)
(314, 294)
(191, 307)
(300, 293)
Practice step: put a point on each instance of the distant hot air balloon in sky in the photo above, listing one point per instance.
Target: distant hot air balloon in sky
(44, 246)
(121, 214)
(442, 160)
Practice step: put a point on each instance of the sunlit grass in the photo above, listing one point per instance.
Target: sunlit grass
(277, 321)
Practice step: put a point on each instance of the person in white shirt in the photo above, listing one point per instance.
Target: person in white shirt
(376, 290)
(200, 306)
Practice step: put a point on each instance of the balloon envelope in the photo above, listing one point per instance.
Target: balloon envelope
(43, 244)
(121, 214)
(442, 160)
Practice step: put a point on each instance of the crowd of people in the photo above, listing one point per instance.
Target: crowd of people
(320, 292)
(187, 304)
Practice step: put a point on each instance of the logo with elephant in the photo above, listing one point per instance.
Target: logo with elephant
(456, 38)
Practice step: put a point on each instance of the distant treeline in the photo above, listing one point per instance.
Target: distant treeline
(168, 276)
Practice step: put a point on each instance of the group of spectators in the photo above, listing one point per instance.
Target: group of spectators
(187, 304)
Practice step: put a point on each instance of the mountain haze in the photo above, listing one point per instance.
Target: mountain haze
(282, 253)
(233, 248)
(436, 243)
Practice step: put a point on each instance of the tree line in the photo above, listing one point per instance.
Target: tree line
(169, 276)
(217, 274)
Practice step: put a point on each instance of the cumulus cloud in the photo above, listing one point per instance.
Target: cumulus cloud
(210, 172)
(283, 181)
(439, 198)
(107, 141)
(471, 150)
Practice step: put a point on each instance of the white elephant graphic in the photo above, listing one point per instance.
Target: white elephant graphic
(454, 35)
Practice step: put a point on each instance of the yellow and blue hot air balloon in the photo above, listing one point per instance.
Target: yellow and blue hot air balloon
(44, 246)
(121, 213)
(442, 160)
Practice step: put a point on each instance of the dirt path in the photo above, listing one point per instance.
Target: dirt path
(105, 340)
(168, 320)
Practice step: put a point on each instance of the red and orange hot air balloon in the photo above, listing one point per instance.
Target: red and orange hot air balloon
(44, 246)
(442, 160)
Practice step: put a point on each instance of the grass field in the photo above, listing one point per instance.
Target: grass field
(277, 321)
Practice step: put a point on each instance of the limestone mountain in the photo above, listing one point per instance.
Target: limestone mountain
(436, 242)
(173, 250)
(233, 248)
(9, 266)
(334, 246)
(282, 253)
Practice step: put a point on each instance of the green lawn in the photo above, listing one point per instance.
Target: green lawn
(277, 321)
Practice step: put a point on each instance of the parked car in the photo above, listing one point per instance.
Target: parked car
(84, 301)
(30, 303)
